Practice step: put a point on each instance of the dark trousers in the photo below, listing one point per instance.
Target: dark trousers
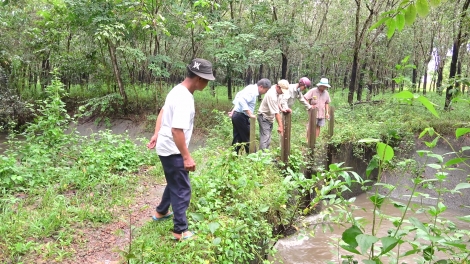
(241, 130)
(177, 191)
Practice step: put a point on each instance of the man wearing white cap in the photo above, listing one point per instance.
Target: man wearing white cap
(320, 98)
(173, 131)
(270, 109)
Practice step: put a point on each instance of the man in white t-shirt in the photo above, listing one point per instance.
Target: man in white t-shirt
(173, 131)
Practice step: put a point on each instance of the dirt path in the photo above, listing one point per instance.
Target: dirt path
(100, 245)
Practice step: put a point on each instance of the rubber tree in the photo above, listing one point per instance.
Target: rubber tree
(360, 33)
(459, 39)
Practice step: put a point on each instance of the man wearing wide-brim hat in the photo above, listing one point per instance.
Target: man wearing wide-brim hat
(320, 98)
(173, 131)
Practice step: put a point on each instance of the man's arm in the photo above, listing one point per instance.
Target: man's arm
(180, 142)
(304, 101)
(158, 125)
(280, 128)
(283, 102)
(327, 111)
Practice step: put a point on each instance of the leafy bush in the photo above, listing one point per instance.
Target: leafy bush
(55, 172)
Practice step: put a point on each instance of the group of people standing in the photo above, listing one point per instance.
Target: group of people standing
(174, 127)
(278, 98)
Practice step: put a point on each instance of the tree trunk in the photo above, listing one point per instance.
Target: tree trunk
(260, 72)
(353, 79)
(284, 66)
(440, 77)
(249, 76)
(360, 87)
(455, 55)
(229, 83)
(414, 76)
(117, 73)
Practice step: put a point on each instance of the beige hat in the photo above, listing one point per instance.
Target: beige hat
(284, 84)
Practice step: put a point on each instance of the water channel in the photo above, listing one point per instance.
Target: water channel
(303, 248)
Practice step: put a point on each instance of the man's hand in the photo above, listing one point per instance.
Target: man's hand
(252, 116)
(280, 130)
(153, 142)
(327, 115)
(288, 110)
(189, 164)
(230, 114)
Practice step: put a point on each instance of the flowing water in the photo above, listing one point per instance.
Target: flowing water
(303, 248)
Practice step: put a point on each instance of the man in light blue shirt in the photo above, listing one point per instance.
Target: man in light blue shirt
(244, 108)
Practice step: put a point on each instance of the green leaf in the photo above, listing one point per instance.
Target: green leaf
(365, 242)
(264, 209)
(428, 253)
(434, 3)
(428, 130)
(434, 166)
(216, 241)
(410, 252)
(428, 105)
(418, 224)
(388, 243)
(456, 244)
(385, 152)
(377, 200)
(398, 204)
(390, 28)
(373, 164)
(441, 207)
(349, 236)
(461, 131)
(410, 15)
(462, 185)
(436, 156)
(197, 217)
(422, 8)
(431, 144)
(400, 22)
(455, 161)
(380, 22)
(350, 249)
(213, 227)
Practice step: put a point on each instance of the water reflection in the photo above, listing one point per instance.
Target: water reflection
(301, 248)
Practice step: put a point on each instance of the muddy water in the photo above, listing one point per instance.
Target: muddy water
(303, 248)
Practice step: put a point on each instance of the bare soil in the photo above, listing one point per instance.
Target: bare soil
(102, 244)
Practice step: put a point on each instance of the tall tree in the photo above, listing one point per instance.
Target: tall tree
(458, 40)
